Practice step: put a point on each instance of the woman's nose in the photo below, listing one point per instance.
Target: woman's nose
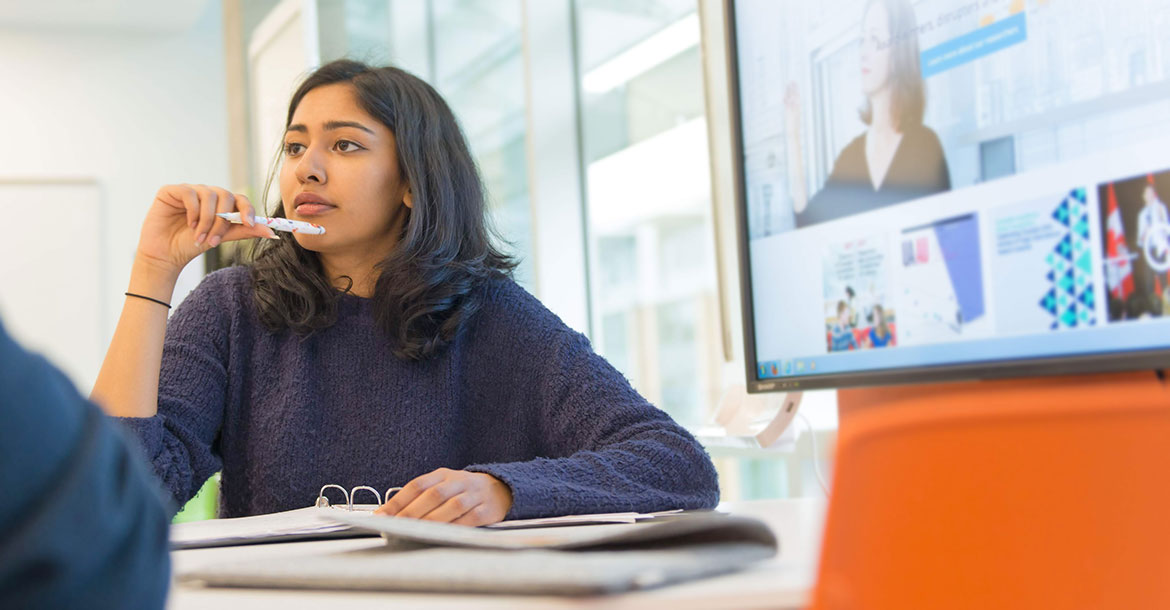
(310, 167)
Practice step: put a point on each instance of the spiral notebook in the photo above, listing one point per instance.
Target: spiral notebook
(314, 522)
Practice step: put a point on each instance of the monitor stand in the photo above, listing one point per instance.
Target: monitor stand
(1072, 391)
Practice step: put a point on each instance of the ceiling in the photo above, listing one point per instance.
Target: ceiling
(142, 16)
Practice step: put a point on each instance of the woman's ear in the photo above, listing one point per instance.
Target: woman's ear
(408, 199)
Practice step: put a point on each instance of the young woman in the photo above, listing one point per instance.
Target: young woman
(879, 334)
(841, 330)
(897, 158)
(392, 350)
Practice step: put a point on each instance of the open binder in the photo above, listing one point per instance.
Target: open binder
(299, 524)
(313, 522)
(567, 560)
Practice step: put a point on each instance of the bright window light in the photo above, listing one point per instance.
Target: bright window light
(670, 41)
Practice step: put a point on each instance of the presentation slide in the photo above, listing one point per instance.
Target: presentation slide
(954, 181)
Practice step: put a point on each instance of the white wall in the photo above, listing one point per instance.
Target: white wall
(130, 109)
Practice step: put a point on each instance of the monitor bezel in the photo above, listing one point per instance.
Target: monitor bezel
(1155, 359)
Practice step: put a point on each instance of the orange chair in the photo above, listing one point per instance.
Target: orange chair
(1037, 493)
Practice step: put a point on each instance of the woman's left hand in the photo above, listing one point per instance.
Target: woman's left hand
(451, 496)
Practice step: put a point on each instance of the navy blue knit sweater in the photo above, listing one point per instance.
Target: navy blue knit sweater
(517, 394)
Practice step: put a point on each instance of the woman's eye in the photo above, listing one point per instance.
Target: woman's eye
(292, 148)
(347, 146)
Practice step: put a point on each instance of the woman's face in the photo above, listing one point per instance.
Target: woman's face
(875, 49)
(340, 171)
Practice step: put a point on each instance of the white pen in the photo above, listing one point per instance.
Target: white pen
(277, 224)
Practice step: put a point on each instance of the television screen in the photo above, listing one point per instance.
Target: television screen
(949, 189)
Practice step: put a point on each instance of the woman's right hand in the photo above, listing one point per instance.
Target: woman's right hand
(792, 107)
(182, 224)
(796, 177)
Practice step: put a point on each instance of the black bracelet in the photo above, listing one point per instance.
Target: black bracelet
(163, 303)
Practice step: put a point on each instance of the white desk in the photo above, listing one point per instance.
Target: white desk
(781, 582)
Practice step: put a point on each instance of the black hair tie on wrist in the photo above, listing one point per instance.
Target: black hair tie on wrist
(163, 303)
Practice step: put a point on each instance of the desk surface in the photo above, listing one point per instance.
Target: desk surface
(781, 582)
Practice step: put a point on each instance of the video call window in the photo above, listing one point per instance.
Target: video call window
(965, 92)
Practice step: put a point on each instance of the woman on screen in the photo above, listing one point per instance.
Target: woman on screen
(897, 157)
(879, 334)
(392, 350)
(841, 330)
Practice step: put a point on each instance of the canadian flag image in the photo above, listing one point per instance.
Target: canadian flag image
(1118, 260)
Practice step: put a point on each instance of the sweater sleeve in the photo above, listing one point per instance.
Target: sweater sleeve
(181, 440)
(606, 449)
(83, 524)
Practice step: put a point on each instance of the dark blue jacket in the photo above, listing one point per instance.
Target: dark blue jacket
(82, 523)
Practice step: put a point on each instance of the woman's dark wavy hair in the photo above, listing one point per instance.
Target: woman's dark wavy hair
(426, 289)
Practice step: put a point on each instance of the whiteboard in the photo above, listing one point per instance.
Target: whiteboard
(51, 272)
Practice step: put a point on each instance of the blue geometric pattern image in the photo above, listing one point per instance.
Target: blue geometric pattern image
(1069, 297)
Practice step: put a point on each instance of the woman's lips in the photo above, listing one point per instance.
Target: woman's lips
(313, 209)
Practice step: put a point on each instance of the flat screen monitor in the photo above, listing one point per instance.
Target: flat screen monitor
(951, 189)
